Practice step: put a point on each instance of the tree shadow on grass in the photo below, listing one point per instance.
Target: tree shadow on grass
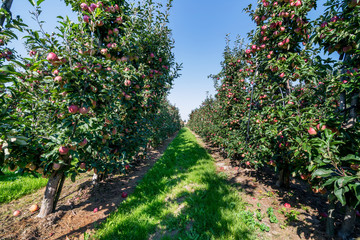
(134, 218)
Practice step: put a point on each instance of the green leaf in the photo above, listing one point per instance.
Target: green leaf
(344, 180)
(73, 177)
(350, 157)
(32, 2)
(339, 193)
(322, 173)
(39, 2)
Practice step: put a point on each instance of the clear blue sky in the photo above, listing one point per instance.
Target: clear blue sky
(199, 29)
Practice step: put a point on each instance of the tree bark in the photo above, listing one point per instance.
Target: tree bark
(348, 225)
(284, 177)
(95, 179)
(58, 192)
(330, 220)
(1, 165)
(47, 204)
(6, 5)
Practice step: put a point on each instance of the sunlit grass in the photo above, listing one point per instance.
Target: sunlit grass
(15, 185)
(181, 197)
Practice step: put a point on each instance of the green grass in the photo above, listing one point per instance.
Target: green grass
(181, 197)
(14, 186)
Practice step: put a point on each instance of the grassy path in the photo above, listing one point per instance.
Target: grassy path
(13, 185)
(181, 197)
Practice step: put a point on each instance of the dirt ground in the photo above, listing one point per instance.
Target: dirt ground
(75, 214)
(81, 207)
(258, 188)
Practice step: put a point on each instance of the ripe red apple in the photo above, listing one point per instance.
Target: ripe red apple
(56, 166)
(58, 79)
(17, 213)
(52, 57)
(114, 131)
(322, 128)
(103, 51)
(127, 83)
(73, 109)
(84, 6)
(63, 150)
(83, 110)
(124, 195)
(304, 176)
(34, 208)
(312, 131)
(82, 165)
(355, 167)
(86, 18)
(282, 75)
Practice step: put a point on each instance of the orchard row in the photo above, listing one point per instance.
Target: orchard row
(91, 96)
(280, 104)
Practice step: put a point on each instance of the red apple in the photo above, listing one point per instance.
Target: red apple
(322, 128)
(56, 166)
(34, 208)
(355, 167)
(58, 79)
(52, 57)
(17, 213)
(84, 110)
(312, 131)
(86, 18)
(84, 6)
(82, 165)
(63, 150)
(124, 195)
(73, 109)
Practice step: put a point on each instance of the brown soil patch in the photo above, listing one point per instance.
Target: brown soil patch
(81, 207)
(258, 189)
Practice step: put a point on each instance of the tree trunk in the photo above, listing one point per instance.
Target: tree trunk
(58, 192)
(1, 165)
(6, 5)
(284, 177)
(47, 204)
(348, 224)
(95, 178)
(330, 220)
(352, 115)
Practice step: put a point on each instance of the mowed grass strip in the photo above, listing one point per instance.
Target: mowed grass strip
(181, 197)
(14, 185)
